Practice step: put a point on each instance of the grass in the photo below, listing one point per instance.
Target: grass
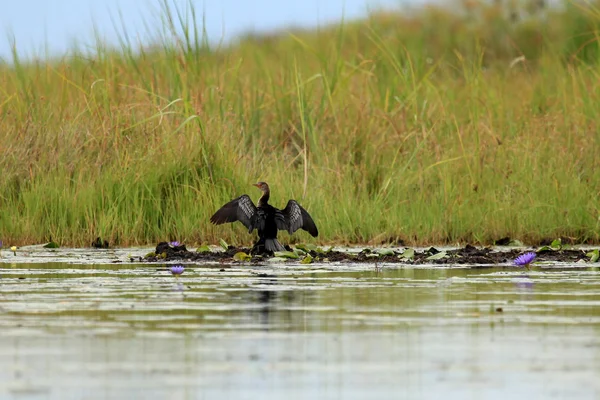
(429, 126)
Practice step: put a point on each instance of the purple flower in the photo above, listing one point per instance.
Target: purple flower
(177, 269)
(174, 243)
(0, 244)
(525, 259)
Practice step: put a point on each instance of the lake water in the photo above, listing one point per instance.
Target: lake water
(71, 330)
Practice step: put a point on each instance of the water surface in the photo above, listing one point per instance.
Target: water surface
(111, 330)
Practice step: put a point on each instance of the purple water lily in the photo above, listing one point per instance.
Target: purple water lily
(177, 270)
(174, 243)
(525, 259)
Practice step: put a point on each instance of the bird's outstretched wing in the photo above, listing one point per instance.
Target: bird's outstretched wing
(294, 217)
(240, 209)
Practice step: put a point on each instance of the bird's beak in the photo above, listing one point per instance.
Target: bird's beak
(256, 184)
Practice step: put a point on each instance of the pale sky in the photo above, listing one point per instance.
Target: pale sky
(38, 25)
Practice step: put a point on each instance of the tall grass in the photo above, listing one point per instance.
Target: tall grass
(430, 126)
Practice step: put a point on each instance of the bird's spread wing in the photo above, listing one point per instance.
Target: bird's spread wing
(294, 217)
(240, 209)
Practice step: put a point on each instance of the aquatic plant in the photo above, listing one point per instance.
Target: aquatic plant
(177, 270)
(14, 250)
(525, 259)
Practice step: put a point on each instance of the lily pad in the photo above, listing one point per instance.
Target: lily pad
(307, 260)
(385, 252)
(593, 255)
(307, 247)
(408, 254)
(51, 245)
(544, 249)
(556, 244)
(286, 254)
(437, 256)
(203, 249)
(241, 256)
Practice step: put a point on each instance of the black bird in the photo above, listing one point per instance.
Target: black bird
(265, 218)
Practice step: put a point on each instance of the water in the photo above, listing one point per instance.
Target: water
(76, 329)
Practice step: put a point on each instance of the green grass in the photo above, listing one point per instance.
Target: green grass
(422, 126)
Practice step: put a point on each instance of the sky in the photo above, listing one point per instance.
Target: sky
(50, 27)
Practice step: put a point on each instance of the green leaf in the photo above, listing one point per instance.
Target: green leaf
(408, 254)
(307, 260)
(203, 249)
(324, 251)
(151, 254)
(593, 255)
(300, 252)
(437, 256)
(385, 252)
(544, 249)
(556, 244)
(307, 247)
(286, 254)
(223, 244)
(51, 245)
(241, 256)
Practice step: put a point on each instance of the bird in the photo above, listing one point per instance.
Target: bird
(266, 219)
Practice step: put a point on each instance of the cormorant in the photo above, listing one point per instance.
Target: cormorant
(265, 218)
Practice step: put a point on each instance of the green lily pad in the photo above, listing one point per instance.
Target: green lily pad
(593, 255)
(151, 254)
(203, 249)
(51, 245)
(320, 250)
(556, 244)
(408, 254)
(307, 247)
(544, 249)
(307, 260)
(286, 254)
(385, 252)
(241, 256)
(437, 256)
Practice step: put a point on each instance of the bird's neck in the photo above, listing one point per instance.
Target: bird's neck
(264, 199)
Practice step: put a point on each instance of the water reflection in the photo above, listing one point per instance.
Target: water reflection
(308, 332)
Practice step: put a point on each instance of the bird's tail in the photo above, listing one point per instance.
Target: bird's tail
(273, 245)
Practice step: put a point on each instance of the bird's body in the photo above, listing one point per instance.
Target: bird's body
(266, 219)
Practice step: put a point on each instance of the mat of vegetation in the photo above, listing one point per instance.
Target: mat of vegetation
(307, 254)
(434, 125)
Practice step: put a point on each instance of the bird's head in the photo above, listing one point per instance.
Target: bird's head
(262, 186)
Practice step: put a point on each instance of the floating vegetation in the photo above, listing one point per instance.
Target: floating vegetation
(307, 254)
